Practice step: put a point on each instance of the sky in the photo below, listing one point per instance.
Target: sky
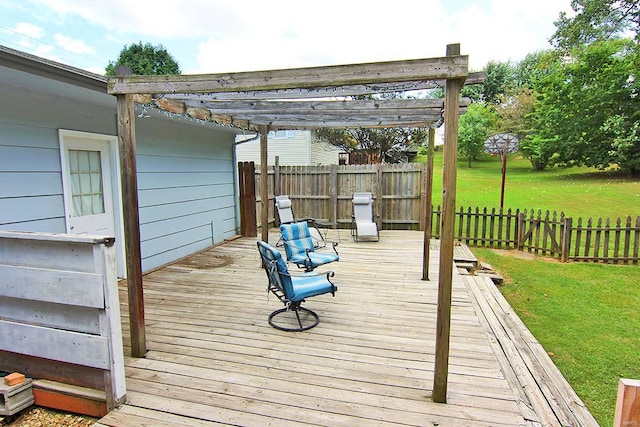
(214, 36)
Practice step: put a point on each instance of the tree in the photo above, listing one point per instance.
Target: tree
(379, 144)
(387, 144)
(514, 112)
(145, 60)
(501, 78)
(588, 109)
(475, 126)
(596, 20)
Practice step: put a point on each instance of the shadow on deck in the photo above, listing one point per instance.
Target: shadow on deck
(214, 360)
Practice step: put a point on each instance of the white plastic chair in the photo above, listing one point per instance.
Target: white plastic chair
(363, 221)
(285, 215)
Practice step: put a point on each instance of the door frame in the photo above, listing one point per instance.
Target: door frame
(116, 189)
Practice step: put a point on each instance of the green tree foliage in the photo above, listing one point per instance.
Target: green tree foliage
(145, 60)
(597, 20)
(588, 108)
(514, 112)
(475, 126)
(501, 78)
(385, 144)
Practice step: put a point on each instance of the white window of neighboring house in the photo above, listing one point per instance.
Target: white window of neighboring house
(282, 134)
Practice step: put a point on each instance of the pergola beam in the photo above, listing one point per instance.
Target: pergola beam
(296, 78)
(372, 106)
(328, 92)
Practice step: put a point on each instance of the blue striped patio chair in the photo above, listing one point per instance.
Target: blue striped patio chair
(300, 249)
(292, 290)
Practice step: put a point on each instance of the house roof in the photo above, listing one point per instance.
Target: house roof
(23, 61)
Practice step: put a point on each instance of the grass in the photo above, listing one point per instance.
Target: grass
(578, 192)
(585, 315)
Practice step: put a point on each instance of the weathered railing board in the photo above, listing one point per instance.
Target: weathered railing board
(55, 344)
(61, 311)
(59, 286)
(70, 255)
(78, 319)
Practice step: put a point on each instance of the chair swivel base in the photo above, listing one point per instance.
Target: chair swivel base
(310, 320)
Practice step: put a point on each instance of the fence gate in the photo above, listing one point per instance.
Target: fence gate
(544, 236)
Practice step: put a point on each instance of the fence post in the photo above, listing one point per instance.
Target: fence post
(247, 181)
(520, 231)
(566, 240)
(378, 193)
(334, 196)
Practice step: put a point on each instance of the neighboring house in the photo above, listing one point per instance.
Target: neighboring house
(59, 164)
(293, 148)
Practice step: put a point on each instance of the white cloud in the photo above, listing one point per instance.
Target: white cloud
(254, 34)
(26, 29)
(46, 51)
(73, 45)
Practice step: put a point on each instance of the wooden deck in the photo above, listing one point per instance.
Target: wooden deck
(214, 360)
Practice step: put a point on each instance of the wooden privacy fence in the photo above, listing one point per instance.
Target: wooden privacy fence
(324, 193)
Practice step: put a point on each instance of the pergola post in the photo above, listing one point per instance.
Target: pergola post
(428, 206)
(264, 184)
(445, 278)
(128, 176)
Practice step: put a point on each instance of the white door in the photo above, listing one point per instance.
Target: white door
(90, 190)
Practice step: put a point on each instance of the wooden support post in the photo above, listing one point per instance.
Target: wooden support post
(128, 170)
(450, 161)
(428, 206)
(628, 404)
(334, 196)
(264, 184)
(378, 206)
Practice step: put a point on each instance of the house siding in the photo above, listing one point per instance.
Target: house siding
(323, 153)
(291, 151)
(186, 172)
(186, 189)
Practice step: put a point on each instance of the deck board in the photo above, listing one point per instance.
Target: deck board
(214, 360)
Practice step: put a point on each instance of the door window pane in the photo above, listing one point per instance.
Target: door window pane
(86, 182)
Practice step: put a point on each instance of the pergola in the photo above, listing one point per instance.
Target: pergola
(303, 98)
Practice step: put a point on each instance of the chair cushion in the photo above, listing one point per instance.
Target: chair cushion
(367, 229)
(305, 286)
(283, 203)
(297, 239)
(317, 258)
(361, 200)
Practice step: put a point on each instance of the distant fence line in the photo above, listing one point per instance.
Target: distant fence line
(324, 193)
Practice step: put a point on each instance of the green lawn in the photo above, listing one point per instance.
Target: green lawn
(578, 192)
(585, 315)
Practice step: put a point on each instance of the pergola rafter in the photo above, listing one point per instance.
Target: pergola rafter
(302, 98)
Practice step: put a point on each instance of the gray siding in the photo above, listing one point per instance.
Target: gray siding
(30, 178)
(186, 176)
(186, 188)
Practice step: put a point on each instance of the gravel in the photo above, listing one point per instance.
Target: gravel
(36, 416)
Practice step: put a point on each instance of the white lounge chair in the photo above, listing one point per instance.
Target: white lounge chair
(285, 215)
(363, 221)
